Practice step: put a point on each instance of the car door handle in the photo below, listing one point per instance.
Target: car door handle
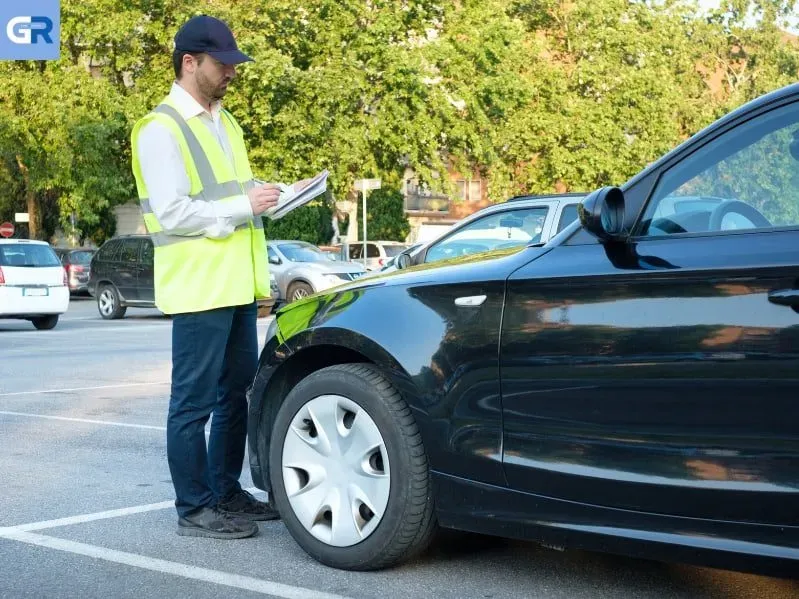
(784, 297)
(470, 301)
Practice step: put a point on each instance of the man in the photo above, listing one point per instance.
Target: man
(203, 210)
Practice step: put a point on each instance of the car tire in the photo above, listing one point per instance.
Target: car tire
(387, 457)
(109, 304)
(45, 323)
(298, 290)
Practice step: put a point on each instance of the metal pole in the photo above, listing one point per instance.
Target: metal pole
(364, 227)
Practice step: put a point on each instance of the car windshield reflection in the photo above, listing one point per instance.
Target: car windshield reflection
(303, 252)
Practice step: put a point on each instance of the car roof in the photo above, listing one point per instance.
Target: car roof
(290, 241)
(26, 241)
(128, 236)
(552, 196)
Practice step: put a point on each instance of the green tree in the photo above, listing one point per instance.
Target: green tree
(312, 223)
(385, 215)
(537, 95)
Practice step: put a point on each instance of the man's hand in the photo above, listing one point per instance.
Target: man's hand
(263, 198)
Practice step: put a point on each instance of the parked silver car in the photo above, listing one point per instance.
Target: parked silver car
(301, 269)
(521, 220)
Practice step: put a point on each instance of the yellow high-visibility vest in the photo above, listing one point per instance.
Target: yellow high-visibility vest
(195, 273)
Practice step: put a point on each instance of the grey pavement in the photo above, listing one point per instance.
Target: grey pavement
(82, 415)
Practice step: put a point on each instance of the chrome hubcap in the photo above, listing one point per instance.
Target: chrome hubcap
(300, 293)
(106, 302)
(336, 470)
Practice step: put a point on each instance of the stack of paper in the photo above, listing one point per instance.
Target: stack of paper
(291, 199)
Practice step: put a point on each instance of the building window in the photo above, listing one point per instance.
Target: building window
(469, 191)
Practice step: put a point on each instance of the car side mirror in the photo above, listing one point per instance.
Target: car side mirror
(402, 261)
(602, 213)
(274, 260)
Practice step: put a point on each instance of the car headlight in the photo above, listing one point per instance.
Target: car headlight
(334, 279)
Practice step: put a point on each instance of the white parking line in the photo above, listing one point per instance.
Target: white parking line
(83, 420)
(127, 511)
(266, 587)
(83, 518)
(121, 386)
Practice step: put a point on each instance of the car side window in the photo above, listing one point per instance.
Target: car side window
(129, 253)
(108, 252)
(147, 251)
(748, 178)
(567, 216)
(372, 251)
(356, 251)
(506, 229)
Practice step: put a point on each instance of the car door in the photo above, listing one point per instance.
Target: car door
(126, 268)
(660, 374)
(501, 229)
(146, 277)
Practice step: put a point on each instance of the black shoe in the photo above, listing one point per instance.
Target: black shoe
(214, 524)
(243, 505)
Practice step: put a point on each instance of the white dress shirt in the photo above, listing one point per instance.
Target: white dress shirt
(167, 181)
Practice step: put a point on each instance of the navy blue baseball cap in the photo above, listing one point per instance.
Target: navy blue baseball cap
(210, 36)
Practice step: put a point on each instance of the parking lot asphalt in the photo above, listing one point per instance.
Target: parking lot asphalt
(86, 507)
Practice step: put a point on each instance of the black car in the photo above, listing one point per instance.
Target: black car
(630, 386)
(77, 262)
(122, 275)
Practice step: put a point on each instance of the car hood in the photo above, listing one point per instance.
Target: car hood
(343, 302)
(494, 265)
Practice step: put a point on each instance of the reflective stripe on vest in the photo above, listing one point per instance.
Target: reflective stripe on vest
(211, 189)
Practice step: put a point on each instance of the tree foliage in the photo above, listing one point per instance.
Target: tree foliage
(312, 223)
(536, 95)
(385, 215)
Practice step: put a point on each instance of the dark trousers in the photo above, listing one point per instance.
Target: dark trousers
(214, 359)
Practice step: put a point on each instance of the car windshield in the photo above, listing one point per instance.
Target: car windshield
(394, 250)
(303, 252)
(28, 255)
(83, 257)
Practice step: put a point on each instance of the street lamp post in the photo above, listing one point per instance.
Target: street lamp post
(364, 185)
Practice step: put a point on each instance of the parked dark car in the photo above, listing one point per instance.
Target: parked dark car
(122, 275)
(77, 262)
(630, 386)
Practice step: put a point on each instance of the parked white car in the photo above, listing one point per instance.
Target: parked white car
(378, 253)
(33, 283)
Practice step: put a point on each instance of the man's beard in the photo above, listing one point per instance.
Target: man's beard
(209, 90)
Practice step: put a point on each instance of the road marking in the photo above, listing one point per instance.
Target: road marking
(265, 587)
(127, 511)
(83, 420)
(121, 386)
(83, 518)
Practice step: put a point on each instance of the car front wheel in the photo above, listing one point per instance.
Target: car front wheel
(299, 290)
(349, 472)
